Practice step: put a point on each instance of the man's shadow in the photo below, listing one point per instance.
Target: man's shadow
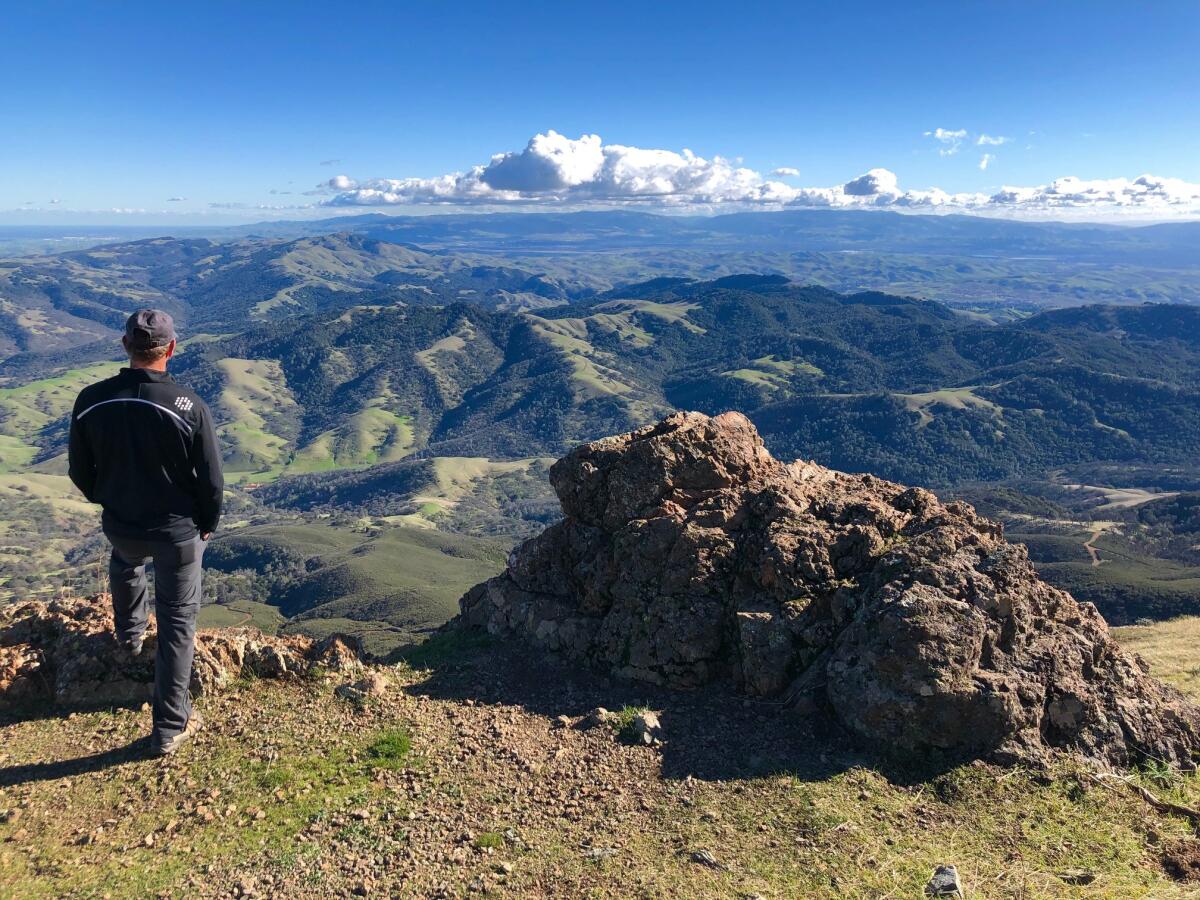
(136, 750)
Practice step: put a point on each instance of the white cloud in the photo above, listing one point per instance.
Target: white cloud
(176, 199)
(987, 140)
(951, 141)
(785, 172)
(555, 167)
(875, 183)
(1146, 193)
(985, 161)
(556, 170)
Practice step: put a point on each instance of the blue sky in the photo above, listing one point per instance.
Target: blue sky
(125, 105)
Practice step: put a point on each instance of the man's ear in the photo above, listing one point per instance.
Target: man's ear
(170, 349)
(125, 344)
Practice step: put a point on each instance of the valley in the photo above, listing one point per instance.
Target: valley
(397, 389)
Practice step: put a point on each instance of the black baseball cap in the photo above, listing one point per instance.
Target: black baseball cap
(147, 329)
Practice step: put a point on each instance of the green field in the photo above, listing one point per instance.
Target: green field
(27, 409)
(368, 437)
(255, 394)
(390, 587)
(265, 618)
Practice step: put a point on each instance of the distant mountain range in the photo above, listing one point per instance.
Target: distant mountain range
(233, 278)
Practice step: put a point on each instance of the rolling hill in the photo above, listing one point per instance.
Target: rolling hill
(445, 415)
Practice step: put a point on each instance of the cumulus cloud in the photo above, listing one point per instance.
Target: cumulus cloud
(875, 183)
(987, 140)
(786, 172)
(1147, 193)
(951, 141)
(553, 169)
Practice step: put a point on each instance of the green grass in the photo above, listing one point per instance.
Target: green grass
(368, 437)
(254, 394)
(15, 454)
(772, 373)
(262, 616)
(349, 782)
(925, 405)
(489, 840)
(26, 409)
(623, 721)
(390, 589)
(390, 749)
(593, 371)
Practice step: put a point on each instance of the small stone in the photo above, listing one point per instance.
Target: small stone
(944, 883)
(597, 717)
(705, 858)
(646, 729)
(148, 840)
(1077, 876)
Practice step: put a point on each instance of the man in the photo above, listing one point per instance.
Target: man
(144, 448)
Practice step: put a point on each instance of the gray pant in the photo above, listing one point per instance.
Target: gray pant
(177, 571)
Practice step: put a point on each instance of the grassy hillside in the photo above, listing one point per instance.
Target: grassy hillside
(443, 414)
(1170, 648)
(390, 586)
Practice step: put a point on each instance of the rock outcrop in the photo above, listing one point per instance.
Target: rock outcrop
(64, 653)
(688, 554)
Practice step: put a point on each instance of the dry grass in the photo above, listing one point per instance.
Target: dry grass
(1171, 648)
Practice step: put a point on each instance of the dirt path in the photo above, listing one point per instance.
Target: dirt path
(1096, 530)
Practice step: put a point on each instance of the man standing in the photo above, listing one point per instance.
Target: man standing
(144, 448)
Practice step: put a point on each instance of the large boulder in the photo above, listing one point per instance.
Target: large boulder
(688, 554)
(64, 653)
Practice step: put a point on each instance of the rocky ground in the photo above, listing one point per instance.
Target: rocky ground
(478, 769)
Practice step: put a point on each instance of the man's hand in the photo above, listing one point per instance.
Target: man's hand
(205, 536)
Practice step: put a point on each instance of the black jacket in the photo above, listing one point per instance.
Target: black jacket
(144, 448)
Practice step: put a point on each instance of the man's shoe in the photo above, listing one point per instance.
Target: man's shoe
(133, 646)
(170, 745)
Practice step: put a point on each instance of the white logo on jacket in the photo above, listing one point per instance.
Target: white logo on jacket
(183, 404)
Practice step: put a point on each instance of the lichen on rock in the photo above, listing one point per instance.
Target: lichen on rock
(688, 554)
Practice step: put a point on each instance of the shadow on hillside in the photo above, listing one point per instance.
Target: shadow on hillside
(134, 751)
(712, 734)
